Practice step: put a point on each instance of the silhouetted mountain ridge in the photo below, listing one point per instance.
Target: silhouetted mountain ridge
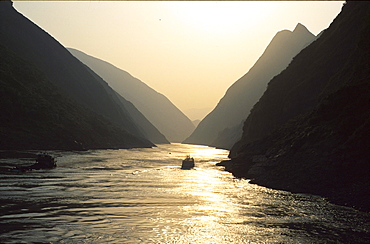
(157, 108)
(234, 107)
(36, 115)
(309, 132)
(27, 41)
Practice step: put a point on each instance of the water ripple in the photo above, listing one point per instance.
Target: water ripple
(141, 195)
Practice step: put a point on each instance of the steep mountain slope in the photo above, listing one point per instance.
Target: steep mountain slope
(156, 107)
(310, 130)
(145, 128)
(234, 107)
(36, 115)
(67, 73)
(229, 136)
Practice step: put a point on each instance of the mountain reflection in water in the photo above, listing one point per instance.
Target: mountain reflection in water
(142, 195)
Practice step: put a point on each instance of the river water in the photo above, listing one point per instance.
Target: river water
(142, 196)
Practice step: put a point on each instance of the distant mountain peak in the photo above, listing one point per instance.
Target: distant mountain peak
(218, 126)
(300, 28)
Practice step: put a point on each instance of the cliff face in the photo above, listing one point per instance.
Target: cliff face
(67, 74)
(165, 116)
(310, 130)
(235, 106)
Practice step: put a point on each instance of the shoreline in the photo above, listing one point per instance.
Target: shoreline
(348, 194)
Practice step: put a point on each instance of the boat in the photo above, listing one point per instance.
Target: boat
(43, 161)
(187, 163)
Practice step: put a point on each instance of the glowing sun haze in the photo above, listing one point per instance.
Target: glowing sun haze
(189, 51)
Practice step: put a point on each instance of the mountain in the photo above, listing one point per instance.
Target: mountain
(72, 78)
(310, 130)
(196, 122)
(158, 109)
(36, 115)
(146, 128)
(197, 113)
(239, 99)
(229, 136)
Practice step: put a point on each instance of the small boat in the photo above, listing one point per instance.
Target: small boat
(43, 161)
(187, 163)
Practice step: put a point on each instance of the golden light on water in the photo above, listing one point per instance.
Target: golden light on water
(142, 196)
(205, 153)
(206, 189)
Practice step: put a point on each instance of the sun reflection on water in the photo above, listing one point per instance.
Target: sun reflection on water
(205, 186)
(142, 196)
(204, 153)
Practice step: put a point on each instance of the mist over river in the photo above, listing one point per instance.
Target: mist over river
(142, 196)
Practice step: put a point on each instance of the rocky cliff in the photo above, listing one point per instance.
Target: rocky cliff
(309, 132)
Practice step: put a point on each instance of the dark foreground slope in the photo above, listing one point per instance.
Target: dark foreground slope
(310, 130)
(35, 115)
(222, 127)
(157, 108)
(27, 41)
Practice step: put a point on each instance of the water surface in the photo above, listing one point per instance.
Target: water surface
(142, 196)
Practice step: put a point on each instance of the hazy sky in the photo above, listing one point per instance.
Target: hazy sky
(189, 51)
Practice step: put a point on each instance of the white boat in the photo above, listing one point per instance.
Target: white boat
(187, 163)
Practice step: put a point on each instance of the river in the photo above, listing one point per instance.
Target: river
(142, 196)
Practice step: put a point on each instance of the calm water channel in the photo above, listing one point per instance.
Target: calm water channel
(142, 196)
